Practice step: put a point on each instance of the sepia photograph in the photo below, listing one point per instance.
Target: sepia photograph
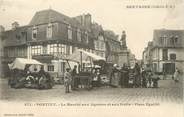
(91, 58)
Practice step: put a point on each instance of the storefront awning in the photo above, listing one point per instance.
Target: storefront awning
(78, 54)
(46, 58)
(20, 63)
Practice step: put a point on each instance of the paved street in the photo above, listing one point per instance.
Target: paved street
(129, 102)
(168, 92)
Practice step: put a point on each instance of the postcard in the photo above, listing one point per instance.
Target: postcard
(108, 58)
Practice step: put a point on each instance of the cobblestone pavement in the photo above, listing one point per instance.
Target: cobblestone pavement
(129, 102)
(168, 92)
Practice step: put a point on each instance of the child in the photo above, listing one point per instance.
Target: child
(67, 80)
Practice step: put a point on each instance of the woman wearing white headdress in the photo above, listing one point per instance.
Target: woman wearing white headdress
(176, 75)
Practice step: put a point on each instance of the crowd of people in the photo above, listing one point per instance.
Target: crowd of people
(134, 77)
(124, 77)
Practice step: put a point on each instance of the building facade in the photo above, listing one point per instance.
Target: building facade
(99, 40)
(49, 37)
(146, 55)
(166, 52)
(112, 46)
(52, 36)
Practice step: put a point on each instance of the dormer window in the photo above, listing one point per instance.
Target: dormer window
(34, 33)
(163, 40)
(49, 30)
(69, 32)
(176, 39)
(172, 40)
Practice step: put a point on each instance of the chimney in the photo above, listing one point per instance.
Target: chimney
(87, 20)
(84, 20)
(15, 25)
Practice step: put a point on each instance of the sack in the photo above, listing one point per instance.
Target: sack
(130, 81)
(95, 78)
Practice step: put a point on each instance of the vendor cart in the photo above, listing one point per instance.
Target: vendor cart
(29, 73)
(85, 77)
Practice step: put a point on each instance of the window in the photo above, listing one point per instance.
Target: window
(67, 50)
(97, 45)
(172, 56)
(58, 49)
(11, 52)
(44, 49)
(49, 30)
(176, 40)
(53, 49)
(165, 54)
(163, 40)
(36, 50)
(102, 45)
(61, 48)
(20, 52)
(50, 67)
(79, 35)
(172, 40)
(86, 37)
(34, 33)
(69, 32)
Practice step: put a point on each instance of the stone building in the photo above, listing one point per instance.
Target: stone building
(165, 53)
(146, 56)
(49, 37)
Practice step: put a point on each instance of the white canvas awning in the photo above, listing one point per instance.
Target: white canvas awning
(78, 54)
(20, 63)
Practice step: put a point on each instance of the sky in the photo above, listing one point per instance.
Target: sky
(111, 14)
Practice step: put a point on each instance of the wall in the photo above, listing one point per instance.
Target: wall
(179, 53)
(179, 58)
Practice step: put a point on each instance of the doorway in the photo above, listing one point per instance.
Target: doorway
(169, 68)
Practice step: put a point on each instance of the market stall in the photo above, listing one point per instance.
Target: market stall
(29, 73)
(85, 62)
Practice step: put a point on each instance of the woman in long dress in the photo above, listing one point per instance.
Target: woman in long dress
(176, 75)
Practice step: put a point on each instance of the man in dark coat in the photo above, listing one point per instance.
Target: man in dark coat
(137, 80)
(124, 76)
(113, 75)
(75, 81)
(143, 75)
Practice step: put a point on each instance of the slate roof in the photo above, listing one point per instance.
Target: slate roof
(49, 15)
(15, 37)
(168, 33)
(96, 30)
